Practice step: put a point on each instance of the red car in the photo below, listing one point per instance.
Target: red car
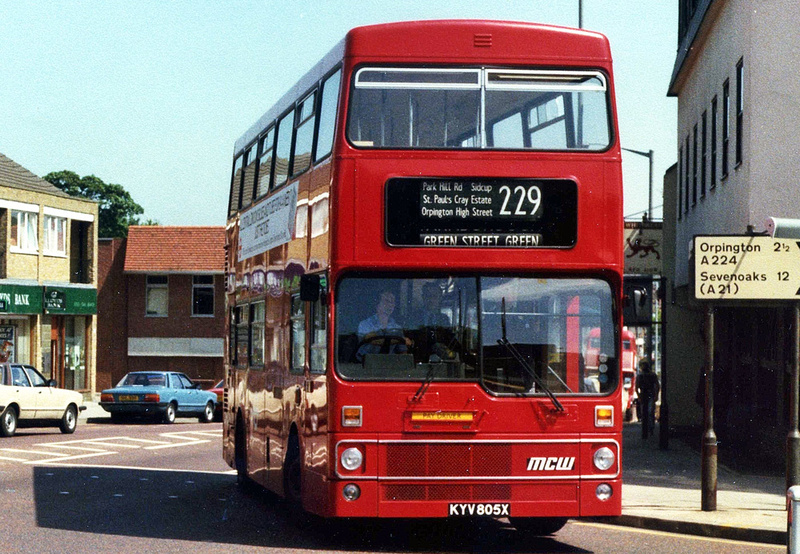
(219, 390)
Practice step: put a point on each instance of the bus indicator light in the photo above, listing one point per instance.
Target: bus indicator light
(603, 416)
(351, 416)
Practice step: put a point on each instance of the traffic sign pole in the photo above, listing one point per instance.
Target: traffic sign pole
(708, 500)
(746, 268)
(793, 438)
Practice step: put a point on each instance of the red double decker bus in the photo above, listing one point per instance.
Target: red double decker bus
(422, 235)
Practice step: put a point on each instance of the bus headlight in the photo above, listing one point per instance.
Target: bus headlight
(604, 458)
(351, 459)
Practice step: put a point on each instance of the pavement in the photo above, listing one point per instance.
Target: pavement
(662, 491)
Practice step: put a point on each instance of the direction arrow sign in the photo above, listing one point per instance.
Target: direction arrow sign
(746, 268)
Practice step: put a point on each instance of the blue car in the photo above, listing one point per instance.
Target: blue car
(162, 394)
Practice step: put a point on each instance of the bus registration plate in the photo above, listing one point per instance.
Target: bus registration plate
(490, 509)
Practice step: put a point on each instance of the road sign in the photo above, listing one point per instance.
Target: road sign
(746, 268)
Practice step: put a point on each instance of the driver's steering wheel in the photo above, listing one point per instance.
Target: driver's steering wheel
(385, 341)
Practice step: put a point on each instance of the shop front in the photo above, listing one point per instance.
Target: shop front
(67, 335)
(20, 310)
(51, 328)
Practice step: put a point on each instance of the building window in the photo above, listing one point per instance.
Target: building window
(714, 142)
(680, 183)
(726, 126)
(704, 154)
(694, 166)
(55, 241)
(24, 231)
(686, 180)
(739, 109)
(203, 295)
(157, 295)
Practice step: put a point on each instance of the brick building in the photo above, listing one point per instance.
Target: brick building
(161, 303)
(48, 278)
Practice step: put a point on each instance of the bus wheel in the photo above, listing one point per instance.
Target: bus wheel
(538, 526)
(292, 474)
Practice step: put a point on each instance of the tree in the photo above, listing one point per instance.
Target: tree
(117, 208)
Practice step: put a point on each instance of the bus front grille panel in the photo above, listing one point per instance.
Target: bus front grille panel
(454, 493)
(448, 460)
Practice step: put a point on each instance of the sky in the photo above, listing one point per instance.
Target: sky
(152, 95)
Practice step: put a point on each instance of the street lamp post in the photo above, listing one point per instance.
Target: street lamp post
(664, 415)
(649, 155)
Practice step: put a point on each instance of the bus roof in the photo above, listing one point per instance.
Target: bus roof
(470, 41)
(479, 40)
(306, 82)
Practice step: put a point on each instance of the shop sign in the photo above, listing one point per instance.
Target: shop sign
(68, 300)
(20, 299)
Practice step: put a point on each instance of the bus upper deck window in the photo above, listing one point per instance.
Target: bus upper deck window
(513, 109)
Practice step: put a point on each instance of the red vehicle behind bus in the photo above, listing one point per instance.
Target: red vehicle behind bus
(629, 363)
(422, 234)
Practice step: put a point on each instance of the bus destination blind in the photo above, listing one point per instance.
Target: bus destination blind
(481, 212)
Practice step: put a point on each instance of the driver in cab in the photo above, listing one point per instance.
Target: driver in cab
(380, 333)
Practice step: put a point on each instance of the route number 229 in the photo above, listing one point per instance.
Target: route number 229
(527, 200)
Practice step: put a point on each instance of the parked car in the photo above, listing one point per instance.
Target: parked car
(163, 394)
(219, 390)
(27, 399)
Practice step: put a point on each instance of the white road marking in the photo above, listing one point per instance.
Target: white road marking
(103, 446)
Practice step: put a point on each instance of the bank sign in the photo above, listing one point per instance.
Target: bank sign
(23, 299)
(20, 299)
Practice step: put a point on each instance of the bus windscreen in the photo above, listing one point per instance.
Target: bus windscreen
(457, 328)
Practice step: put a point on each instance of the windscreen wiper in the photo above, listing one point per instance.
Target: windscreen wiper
(524, 363)
(423, 388)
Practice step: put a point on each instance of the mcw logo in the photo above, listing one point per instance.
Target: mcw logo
(551, 464)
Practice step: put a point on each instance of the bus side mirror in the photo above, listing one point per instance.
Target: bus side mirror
(640, 299)
(309, 288)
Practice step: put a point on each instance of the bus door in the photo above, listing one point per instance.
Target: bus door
(310, 336)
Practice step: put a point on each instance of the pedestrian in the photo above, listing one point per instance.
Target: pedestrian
(647, 387)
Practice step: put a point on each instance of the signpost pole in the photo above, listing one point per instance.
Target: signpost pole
(793, 438)
(708, 501)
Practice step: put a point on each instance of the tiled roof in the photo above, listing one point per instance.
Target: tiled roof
(159, 249)
(14, 175)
